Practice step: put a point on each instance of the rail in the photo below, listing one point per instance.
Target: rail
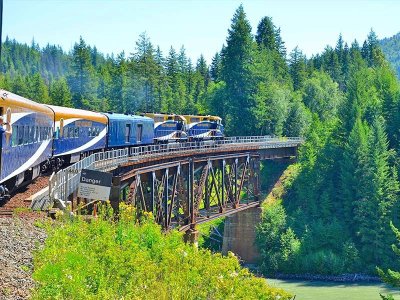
(63, 183)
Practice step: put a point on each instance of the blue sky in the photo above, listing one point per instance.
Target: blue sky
(201, 26)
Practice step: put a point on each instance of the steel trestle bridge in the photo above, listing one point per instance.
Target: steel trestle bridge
(181, 184)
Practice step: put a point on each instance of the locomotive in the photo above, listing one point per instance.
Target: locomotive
(45, 137)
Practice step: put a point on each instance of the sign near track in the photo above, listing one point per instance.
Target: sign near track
(95, 185)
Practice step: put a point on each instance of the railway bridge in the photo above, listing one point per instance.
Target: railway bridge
(181, 184)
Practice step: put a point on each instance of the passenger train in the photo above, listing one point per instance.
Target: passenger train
(46, 137)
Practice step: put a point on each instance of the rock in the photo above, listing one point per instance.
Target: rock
(18, 238)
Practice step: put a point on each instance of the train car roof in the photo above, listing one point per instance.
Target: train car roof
(167, 116)
(68, 113)
(7, 99)
(126, 117)
(187, 117)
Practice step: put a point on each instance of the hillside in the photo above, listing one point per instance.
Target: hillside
(391, 49)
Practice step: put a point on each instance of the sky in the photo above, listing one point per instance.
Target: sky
(201, 27)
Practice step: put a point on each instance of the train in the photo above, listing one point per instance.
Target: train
(44, 137)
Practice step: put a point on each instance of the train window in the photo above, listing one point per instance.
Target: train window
(90, 131)
(159, 119)
(139, 133)
(76, 132)
(20, 135)
(127, 133)
(32, 134)
(26, 135)
(14, 139)
(57, 133)
(42, 137)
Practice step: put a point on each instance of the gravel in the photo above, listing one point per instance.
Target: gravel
(18, 237)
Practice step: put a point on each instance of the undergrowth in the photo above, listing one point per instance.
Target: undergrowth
(126, 259)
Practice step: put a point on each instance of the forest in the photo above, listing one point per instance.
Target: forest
(343, 191)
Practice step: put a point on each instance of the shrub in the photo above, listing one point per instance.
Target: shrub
(125, 259)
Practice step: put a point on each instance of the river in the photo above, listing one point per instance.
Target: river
(316, 290)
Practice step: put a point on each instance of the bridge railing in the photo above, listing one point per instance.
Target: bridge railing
(65, 182)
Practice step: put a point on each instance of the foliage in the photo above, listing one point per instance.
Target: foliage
(390, 47)
(344, 100)
(128, 260)
(211, 234)
(392, 277)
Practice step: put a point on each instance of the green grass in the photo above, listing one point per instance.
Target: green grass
(312, 290)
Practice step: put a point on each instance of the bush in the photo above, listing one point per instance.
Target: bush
(105, 259)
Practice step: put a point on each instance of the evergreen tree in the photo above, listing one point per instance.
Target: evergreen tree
(37, 89)
(266, 34)
(60, 93)
(298, 120)
(215, 68)
(236, 61)
(82, 80)
(297, 68)
(146, 68)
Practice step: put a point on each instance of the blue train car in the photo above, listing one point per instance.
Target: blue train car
(76, 132)
(129, 130)
(168, 127)
(26, 145)
(204, 127)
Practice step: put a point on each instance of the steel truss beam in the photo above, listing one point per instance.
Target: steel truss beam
(183, 193)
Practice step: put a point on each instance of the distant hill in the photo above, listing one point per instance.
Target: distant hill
(391, 48)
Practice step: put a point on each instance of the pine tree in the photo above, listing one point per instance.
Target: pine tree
(37, 89)
(60, 93)
(237, 57)
(266, 34)
(376, 194)
(82, 80)
(215, 68)
(351, 166)
(175, 99)
(146, 68)
(297, 68)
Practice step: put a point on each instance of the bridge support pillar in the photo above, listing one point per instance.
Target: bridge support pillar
(240, 234)
(192, 235)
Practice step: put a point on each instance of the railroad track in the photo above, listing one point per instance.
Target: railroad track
(20, 200)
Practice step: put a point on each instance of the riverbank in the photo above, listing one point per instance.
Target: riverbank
(348, 278)
(315, 290)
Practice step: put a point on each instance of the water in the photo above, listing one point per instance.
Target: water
(316, 290)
